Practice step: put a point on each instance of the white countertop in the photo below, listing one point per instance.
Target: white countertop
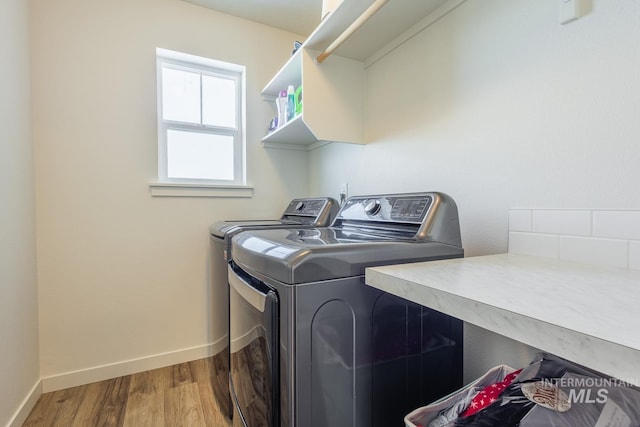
(584, 313)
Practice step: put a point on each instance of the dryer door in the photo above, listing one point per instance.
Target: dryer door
(253, 331)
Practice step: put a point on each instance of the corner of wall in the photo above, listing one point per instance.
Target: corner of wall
(26, 406)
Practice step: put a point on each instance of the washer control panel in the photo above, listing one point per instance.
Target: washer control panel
(410, 209)
(372, 207)
(402, 208)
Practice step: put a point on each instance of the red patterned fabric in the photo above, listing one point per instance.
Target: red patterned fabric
(489, 394)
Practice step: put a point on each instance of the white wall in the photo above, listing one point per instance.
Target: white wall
(123, 275)
(500, 106)
(19, 370)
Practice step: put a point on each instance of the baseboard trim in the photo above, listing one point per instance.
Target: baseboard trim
(128, 367)
(26, 406)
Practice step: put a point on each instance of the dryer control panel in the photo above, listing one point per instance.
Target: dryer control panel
(320, 211)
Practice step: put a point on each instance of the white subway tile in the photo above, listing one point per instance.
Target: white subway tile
(520, 220)
(557, 221)
(617, 224)
(543, 245)
(589, 250)
(634, 255)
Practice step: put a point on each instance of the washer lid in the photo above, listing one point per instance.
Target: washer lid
(298, 256)
(224, 228)
(312, 212)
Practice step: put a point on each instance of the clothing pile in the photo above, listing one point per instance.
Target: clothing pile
(550, 392)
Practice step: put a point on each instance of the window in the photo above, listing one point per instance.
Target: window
(200, 120)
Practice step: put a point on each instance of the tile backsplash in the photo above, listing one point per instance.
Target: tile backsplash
(600, 237)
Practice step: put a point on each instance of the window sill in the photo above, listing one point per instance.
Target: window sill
(164, 189)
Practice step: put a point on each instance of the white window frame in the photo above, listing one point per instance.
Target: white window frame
(182, 61)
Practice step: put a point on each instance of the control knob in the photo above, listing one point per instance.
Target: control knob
(372, 207)
(300, 206)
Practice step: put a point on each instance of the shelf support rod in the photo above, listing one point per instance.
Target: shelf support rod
(351, 29)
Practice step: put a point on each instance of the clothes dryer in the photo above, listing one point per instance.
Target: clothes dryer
(299, 214)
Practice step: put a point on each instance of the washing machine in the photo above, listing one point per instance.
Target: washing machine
(299, 213)
(313, 346)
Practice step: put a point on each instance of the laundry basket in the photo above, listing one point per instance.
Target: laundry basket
(422, 416)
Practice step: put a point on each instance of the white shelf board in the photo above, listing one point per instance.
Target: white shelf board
(295, 132)
(289, 74)
(381, 29)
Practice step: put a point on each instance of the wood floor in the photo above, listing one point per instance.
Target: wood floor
(175, 396)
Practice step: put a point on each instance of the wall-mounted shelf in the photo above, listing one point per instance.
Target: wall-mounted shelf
(333, 92)
(386, 25)
(332, 100)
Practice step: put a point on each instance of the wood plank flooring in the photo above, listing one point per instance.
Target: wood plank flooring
(175, 396)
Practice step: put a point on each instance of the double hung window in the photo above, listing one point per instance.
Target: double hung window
(200, 120)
